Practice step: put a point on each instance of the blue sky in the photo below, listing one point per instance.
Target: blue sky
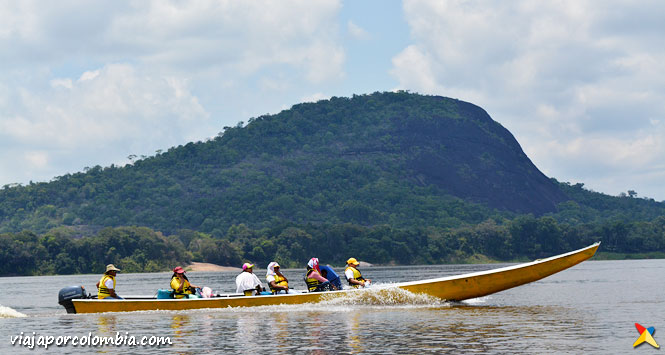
(580, 84)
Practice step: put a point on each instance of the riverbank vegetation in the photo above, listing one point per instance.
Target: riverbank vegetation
(140, 249)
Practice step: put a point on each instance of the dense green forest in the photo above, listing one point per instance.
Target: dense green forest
(140, 249)
(395, 158)
(389, 177)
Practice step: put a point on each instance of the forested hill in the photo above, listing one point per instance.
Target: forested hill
(388, 178)
(390, 158)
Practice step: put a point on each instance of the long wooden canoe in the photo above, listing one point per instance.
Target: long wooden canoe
(451, 288)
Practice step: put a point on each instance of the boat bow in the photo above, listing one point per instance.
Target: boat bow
(478, 284)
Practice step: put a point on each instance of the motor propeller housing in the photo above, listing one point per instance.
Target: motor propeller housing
(67, 294)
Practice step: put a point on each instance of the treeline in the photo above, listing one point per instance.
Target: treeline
(589, 206)
(140, 249)
(134, 249)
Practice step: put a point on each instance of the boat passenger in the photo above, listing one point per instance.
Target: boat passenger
(315, 282)
(180, 284)
(106, 285)
(247, 282)
(330, 274)
(277, 282)
(353, 276)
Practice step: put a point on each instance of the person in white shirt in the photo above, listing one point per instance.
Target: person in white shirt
(247, 282)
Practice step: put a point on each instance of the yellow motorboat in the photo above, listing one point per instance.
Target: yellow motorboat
(450, 288)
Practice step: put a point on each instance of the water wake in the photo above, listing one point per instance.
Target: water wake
(384, 296)
(377, 297)
(476, 301)
(6, 312)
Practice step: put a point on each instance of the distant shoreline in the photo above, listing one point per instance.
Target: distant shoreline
(605, 255)
(474, 259)
(206, 267)
(196, 267)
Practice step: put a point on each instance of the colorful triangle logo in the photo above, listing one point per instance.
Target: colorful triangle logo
(646, 336)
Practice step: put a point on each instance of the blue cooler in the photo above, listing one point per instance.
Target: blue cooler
(164, 294)
(331, 276)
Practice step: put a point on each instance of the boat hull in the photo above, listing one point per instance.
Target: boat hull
(452, 288)
(462, 287)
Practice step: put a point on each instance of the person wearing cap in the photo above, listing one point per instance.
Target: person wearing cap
(353, 276)
(180, 284)
(106, 285)
(247, 282)
(276, 281)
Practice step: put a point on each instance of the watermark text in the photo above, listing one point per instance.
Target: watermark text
(33, 340)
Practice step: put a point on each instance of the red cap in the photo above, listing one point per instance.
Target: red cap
(179, 270)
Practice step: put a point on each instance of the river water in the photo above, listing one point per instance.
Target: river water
(590, 308)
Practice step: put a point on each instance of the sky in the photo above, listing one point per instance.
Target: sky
(580, 84)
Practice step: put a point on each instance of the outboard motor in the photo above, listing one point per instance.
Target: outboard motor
(67, 294)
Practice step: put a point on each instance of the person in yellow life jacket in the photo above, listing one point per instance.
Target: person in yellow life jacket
(353, 275)
(106, 285)
(276, 281)
(313, 278)
(180, 284)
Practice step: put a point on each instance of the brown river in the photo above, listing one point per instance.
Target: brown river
(590, 308)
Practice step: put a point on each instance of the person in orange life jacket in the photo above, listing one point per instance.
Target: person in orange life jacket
(247, 282)
(106, 285)
(315, 282)
(353, 276)
(180, 284)
(276, 281)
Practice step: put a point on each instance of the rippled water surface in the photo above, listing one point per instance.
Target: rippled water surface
(590, 308)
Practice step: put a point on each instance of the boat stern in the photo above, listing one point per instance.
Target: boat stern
(67, 294)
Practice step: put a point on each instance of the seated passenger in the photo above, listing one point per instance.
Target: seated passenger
(315, 282)
(276, 281)
(247, 282)
(106, 285)
(180, 284)
(328, 273)
(353, 276)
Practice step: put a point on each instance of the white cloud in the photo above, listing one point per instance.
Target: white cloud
(414, 69)
(111, 111)
(233, 37)
(89, 75)
(579, 83)
(63, 83)
(87, 83)
(357, 32)
(241, 37)
(315, 97)
(37, 159)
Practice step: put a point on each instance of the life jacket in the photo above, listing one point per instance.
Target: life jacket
(279, 281)
(312, 284)
(356, 275)
(103, 292)
(186, 289)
